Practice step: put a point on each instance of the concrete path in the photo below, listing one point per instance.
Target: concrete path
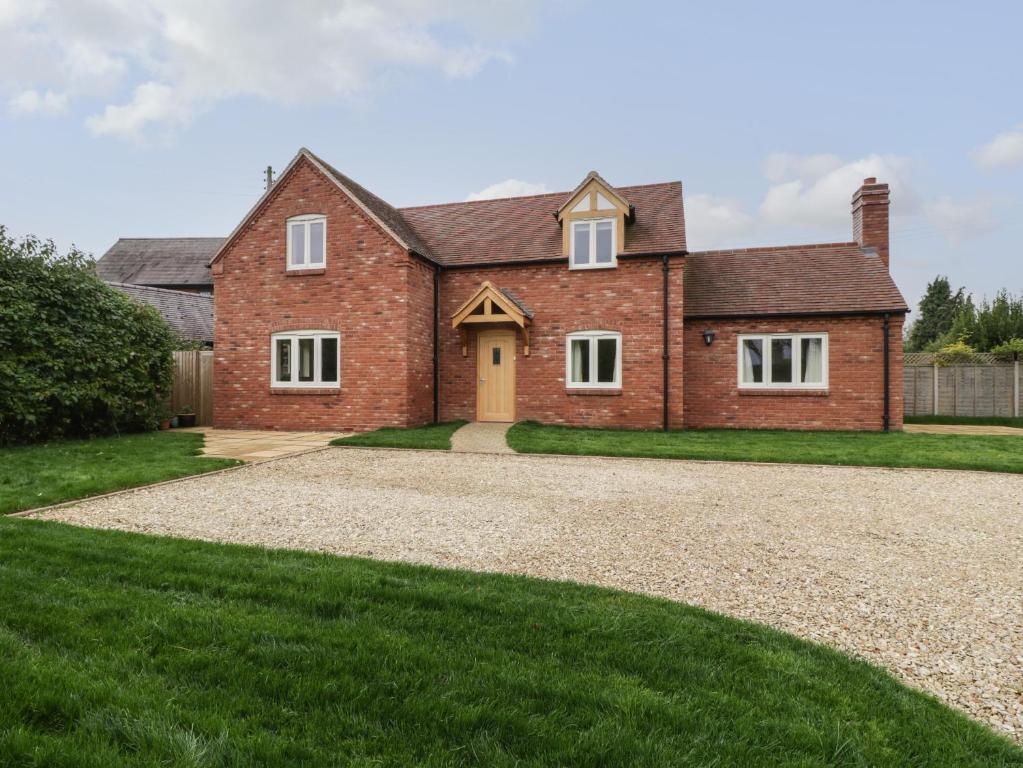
(481, 437)
(253, 444)
(961, 429)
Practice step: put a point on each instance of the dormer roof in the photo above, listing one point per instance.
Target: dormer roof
(594, 182)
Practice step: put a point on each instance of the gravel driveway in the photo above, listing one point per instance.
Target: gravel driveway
(919, 571)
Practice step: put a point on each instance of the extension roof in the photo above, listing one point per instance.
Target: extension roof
(190, 314)
(160, 261)
(836, 278)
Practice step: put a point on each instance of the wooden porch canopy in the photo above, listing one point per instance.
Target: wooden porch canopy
(488, 306)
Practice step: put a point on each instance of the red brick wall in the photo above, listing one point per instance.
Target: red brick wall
(627, 299)
(854, 399)
(362, 292)
(420, 336)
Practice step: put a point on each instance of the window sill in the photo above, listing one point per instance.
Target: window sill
(593, 392)
(305, 390)
(305, 272)
(782, 392)
(584, 267)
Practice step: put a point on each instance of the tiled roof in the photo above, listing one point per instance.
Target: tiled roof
(517, 302)
(190, 314)
(159, 261)
(525, 228)
(379, 208)
(797, 279)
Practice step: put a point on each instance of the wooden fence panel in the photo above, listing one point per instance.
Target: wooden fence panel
(987, 389)
(193, 384)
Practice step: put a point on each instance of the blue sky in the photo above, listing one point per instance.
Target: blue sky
(143, 118)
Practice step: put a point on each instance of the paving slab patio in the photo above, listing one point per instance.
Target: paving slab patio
(962, 429)
(256, 444)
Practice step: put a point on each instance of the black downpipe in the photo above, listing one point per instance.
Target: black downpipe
(664, 353)
(887, 376)
(436, 344)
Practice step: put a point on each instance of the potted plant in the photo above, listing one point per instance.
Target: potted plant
(186, 417)
(164, 421)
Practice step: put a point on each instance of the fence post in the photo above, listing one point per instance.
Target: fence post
(934, 397)
(1015, 388)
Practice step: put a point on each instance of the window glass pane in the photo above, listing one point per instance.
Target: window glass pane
(316, 242)
(812, 362)
(496, 355)
(305, 359)
(604, 254)
(607, 356)
(297, 244)
(752, 361)
(283, 353)
(328, 360)
(781, 361)
(581, 254)
(580, 361)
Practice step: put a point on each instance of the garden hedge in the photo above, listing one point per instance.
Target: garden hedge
(77, 357)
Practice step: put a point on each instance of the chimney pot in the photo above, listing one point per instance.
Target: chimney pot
(870, 180)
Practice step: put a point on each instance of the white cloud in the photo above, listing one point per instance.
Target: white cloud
(508, 188)
(960, 220)
(715, 221)
(177, 59)
(33, 102)
(1003, 151)
(815, 190)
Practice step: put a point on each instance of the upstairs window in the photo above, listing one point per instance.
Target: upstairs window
(594, 360)
(305, 359)
(593, 244)
(307, 242)
(787, 361)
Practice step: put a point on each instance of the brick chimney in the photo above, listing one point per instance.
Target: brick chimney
(870, 217)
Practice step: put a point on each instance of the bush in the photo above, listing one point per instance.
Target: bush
(77, 357)
(957, 353)
(1009, 351)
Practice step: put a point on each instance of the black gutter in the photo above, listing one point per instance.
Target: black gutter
(664, 352)
(783, 315)
(555, 260)
(887, 376)
(436, 344)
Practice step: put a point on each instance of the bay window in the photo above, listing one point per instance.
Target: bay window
(789, 360)
(305, 359)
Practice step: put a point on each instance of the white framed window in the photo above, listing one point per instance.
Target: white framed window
(594, 244)
(593, 360)
(783, 360)
(305, 359)
(307, 241)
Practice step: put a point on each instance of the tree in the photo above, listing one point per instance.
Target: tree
(938, 310)
(77, 357)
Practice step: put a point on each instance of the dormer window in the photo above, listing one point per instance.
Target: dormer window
(593, 222)
(593, 243)
(307, 242)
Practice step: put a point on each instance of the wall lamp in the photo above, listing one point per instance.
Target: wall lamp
(708, 337)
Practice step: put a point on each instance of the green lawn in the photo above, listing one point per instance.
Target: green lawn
(48, 473)
(985, 421)
(128, 650)
(897, 449)
(436, 436)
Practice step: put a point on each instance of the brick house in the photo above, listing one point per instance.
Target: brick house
(336, 311)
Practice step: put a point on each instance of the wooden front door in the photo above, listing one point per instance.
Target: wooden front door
(495, 368)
